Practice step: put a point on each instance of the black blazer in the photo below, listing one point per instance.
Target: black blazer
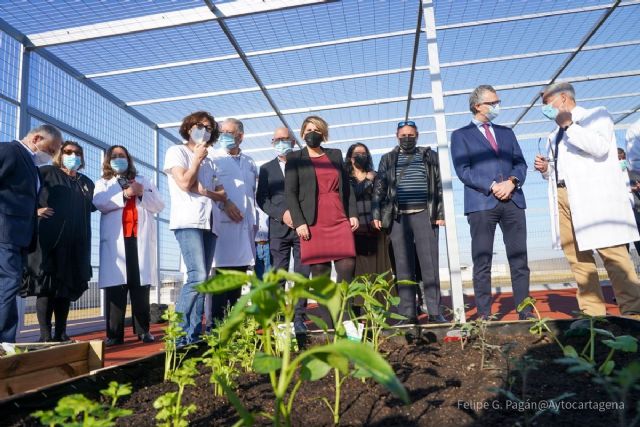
(271, 198)
(301, 188)
(18, 195)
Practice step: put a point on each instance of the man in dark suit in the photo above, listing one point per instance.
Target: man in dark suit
(19, 185)
(271, 198)
(489, 162)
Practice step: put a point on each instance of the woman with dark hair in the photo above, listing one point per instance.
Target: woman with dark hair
(192, 188)
(372, 246)
(128, 256)
(59, 271)
(322, 205)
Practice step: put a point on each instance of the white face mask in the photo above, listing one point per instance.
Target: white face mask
(200, 135)
(42, 158)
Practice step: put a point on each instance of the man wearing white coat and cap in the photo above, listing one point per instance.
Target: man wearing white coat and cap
(588, 202)
(235, 221)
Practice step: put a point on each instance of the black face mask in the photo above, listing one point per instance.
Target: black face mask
(313, 139)
(408, 143)
(361, 161)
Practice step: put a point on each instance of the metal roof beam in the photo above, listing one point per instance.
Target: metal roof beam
(162, 21)
(380, 101)
(416, 45)
(227, 32)
(28, 45)
(571, 57)
(376, 73)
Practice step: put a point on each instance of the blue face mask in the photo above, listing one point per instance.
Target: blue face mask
(549, 111)
(283, 147)
(119, 165)
(623, 165)
(227, 141)
(71, 161)
(493, 112)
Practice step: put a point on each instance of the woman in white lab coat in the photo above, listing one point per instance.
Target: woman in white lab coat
(128, 257)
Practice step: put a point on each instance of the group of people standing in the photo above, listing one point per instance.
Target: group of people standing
(323, 211)
(45, 224)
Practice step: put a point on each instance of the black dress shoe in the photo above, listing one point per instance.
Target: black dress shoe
(146, 337)
(438, 318)
(63, 337)
(527, 316)
(110, 342)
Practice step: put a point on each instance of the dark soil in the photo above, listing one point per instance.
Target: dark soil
(446, 385)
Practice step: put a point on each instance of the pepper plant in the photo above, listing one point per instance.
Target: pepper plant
(271, 304)
(77, 410)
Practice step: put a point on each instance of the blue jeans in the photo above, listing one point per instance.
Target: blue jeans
(263, 259)
(11, 261)
(197, 248)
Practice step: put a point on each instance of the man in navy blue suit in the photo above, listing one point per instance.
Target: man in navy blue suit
(19, 185)
(489, 162)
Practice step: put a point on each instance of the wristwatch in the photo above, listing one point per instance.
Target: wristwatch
(515, 181)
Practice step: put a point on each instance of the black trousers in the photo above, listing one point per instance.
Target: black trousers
(116, 297)
(513, 224)
(281, 249)
(215, 305)
(46, 307)
(412, 237)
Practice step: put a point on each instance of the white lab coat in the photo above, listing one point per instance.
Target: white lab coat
(235, 245)
(108, 199)
(600, 209)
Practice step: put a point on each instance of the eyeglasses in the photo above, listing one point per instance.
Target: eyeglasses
(407, 123)
(207, 128)
(493, 104)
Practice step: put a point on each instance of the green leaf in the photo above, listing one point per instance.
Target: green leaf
(223, 281)
(569, 351)
(264, 363)
(624, 343)
(366, 358)
(394, 301)
(247, 418)
(406, 282)
(528, 301)
(607, 368)
(603, 332)
(319, 322)
(314, 369)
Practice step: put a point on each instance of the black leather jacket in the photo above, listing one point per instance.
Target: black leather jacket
(385, 203)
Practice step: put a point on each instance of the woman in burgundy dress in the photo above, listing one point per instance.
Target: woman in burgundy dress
(323, 208)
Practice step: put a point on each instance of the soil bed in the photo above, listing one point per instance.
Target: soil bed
(445, 383)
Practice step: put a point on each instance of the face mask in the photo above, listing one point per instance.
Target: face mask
(313, 139)
(71, 161)
(227, 141)
(493, 112)
(408, 143)
(550, 112)
(119, 165)
(283, 147)
(361, 160)
(200, 136)
(623, 165)
(42, 158)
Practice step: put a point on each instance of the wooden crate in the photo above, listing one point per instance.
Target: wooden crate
(40, 368)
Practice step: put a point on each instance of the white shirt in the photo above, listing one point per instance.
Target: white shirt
(282, 164)
(33, 157)
(238, 174)
(189, 210)
(633, 146)
(480, 126)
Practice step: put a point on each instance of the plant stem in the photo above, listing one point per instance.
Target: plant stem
(336, 406)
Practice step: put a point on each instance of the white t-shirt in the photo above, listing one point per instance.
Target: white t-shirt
(189, 210)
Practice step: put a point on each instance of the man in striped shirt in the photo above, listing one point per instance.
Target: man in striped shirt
(407, 202)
